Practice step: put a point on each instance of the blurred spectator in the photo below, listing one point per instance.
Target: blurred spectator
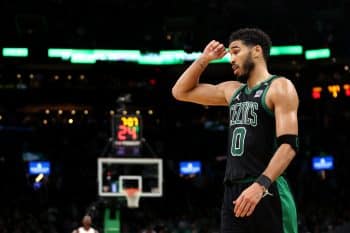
(86, 226)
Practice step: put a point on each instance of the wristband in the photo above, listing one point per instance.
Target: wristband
(264, 181)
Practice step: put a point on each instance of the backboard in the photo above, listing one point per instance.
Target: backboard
(117, 174)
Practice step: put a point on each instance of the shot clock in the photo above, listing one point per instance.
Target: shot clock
(126, 130)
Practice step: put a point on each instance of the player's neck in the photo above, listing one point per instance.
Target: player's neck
(257, 75)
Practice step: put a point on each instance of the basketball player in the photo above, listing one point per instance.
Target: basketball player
(86, 226)
(263, 132)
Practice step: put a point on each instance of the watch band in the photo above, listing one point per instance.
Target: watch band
(264, 181)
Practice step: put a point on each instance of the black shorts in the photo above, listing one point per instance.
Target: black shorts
(273, 214)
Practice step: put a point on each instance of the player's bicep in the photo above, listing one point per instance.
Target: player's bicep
(207, 94)
(286, 108)
(286, 122)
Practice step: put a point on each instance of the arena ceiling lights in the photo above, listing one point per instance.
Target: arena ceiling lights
(163, 57)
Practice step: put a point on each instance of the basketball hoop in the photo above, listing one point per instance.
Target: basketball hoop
(132, 196)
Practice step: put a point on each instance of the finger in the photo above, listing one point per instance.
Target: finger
(237, 202)
(240, 203)
(216, 46)
(251, 210)
(223, 53)
(248, 209)
(219, 48)
(245, 210)
(213, 44)
(240, 211)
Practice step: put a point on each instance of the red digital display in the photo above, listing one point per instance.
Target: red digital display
(127, 130)
(335, 90)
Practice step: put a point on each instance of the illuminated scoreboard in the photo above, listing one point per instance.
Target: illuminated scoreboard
(335, 90)
(126, 130)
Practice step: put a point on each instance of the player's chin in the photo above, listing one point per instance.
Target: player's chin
(236, 73)
(239, 73)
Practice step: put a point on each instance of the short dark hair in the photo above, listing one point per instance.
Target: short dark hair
(252, 37)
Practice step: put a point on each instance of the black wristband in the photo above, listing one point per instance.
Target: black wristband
(264, 181)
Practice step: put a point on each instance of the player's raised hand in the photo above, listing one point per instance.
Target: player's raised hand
(214, 50)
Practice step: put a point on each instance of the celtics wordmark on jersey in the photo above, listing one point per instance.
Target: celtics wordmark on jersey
(251, 132)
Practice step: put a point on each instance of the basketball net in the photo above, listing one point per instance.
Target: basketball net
(132, 196)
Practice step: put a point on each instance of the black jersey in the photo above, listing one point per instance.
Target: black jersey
(251, 132)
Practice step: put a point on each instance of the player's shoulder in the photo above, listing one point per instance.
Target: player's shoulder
(229, 89)
(282, 87)
(281, 82)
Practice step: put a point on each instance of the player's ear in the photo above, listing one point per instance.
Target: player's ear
(257, 51)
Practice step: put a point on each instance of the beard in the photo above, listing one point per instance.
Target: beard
(247, 66)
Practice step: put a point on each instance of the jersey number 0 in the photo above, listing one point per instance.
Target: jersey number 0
(238, 138)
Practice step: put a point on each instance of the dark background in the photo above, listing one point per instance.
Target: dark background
(176, 131)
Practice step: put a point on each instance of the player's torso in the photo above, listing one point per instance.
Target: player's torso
(251, 131)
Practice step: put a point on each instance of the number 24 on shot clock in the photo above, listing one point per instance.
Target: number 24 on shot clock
(127, 129)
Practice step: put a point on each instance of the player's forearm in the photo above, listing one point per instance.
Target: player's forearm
(279, 162)
(190, 78)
